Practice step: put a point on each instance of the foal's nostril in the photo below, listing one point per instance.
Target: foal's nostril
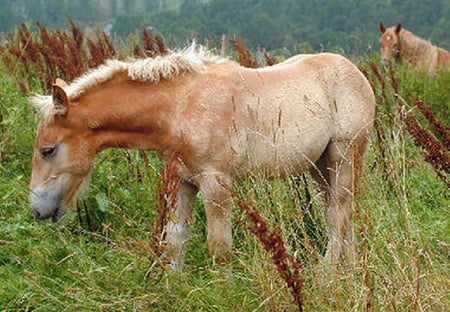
(37, 214)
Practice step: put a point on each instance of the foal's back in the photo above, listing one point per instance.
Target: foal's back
(287, 114)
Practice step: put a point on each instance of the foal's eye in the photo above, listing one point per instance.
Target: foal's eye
(47, 151)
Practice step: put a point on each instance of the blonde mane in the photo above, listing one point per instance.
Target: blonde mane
(190, 59)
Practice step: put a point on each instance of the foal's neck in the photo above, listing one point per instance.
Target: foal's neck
(127, 114)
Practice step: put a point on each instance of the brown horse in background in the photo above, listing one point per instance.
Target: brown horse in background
(398, 43)
(223, 122)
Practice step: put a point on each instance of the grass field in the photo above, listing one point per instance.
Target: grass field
(104, 262)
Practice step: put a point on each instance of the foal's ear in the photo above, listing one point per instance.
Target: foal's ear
(61, 83)
(60, 100)
(398, 28)
(382, 28)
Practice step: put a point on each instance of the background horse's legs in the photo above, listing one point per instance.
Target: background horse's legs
(341, 243)
(215, 189)
(178, 230)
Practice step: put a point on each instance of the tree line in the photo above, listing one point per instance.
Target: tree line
(292, 25)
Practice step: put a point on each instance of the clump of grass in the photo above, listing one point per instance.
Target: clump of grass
(100, 49)
(246, 58)
(401, 143)
(436, 152)
(436, 149)
(49, 54)
(153, 45)
(438, 126)
(273, 243)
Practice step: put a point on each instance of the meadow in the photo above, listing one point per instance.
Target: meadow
(100, 257)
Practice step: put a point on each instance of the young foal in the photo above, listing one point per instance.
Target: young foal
(223, 122)
(398, 43)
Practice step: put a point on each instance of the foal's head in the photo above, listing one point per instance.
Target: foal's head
(389, 42)
(63, 157)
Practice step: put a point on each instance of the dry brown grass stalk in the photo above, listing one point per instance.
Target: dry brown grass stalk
(48, 54)
(52, 53)
(426, 110)
(269, 59)
(153, 45)
(245, 57)
(436, 149)
(166, 198)
(100, 49)
(273, 243)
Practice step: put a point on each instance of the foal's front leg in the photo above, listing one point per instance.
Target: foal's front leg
(178, 227)
(215, 189)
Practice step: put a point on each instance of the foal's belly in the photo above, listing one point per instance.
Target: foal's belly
(278, 155)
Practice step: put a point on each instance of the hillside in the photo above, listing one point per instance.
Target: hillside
(102, 256)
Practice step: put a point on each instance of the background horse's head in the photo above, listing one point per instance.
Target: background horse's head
(62, 156)
(389, 43)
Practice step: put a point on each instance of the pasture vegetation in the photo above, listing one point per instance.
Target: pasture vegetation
(100, 256)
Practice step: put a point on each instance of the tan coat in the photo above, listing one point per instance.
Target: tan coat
(223, 122)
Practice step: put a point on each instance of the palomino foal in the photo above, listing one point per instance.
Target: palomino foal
(223, 122)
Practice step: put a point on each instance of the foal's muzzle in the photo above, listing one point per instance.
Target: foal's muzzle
(55, 215)
(47, 204)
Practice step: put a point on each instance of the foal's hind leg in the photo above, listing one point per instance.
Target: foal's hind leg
(319, 172)
(341, 242)
(178, 227)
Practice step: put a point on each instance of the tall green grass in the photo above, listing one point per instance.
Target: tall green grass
(101, 259)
